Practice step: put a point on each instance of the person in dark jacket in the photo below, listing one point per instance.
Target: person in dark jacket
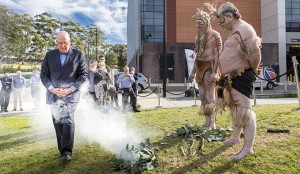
(63, 72)
(5, 91)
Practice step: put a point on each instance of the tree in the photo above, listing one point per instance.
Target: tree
(4, 20)
(120, 50)
(45, 33)
(95, 41)
(22, 36)
(77, 34)
(25, 30)
(14, 33)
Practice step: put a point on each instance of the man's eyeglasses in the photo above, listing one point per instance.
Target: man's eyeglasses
(101, 59)
(63, 43)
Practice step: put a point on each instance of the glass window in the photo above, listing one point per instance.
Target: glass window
(158, 21)
(152, 18)
(158, 8)
(148, 35)
(149, 28)
(296, 18)
(149, 2)
(294, 25)
(158, 40)
(148, 15)
(158, 15)
(148, 22)
(295, 11)
(296, 5)
(287, 27)
(159, 28)
(158, 2)
(288, 5)
(292, 10)
(158, 35)
(149, 8)
(288, 18)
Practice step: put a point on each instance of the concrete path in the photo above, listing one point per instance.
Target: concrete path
(150, 102)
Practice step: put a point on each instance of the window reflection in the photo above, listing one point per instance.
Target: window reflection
(292, 9)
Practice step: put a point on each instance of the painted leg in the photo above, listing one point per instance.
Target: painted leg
(236, 133)
(249, 130)
(207, 120)
(235, 136)
(212, 121)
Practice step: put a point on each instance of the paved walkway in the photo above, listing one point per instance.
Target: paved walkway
(150, 102)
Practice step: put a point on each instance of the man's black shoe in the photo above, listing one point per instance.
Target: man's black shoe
(5, 110)
(14, 110)
(66, 158)
(136, 110)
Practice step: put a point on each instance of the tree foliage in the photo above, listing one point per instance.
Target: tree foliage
(120, 50)
(26, 37)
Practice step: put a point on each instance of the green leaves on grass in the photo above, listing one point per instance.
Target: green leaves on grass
(137, 159)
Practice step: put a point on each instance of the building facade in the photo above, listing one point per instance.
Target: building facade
(276, 21)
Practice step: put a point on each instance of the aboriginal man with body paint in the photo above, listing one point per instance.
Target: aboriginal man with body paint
(205, 70)
(238, 63)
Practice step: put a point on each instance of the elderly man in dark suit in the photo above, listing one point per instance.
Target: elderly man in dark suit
(63, 72)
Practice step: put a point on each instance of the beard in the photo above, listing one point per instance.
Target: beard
(201, 39)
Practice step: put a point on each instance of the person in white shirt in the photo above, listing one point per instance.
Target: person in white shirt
(18, 85)
(35, 84)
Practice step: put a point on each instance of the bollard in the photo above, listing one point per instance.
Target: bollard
(195, 96)
(167, 81)
(253, 95)
(261, 87)
(296, 78)
(285, 86)
(158, 95)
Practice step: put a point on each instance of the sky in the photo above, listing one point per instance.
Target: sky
(108, 15)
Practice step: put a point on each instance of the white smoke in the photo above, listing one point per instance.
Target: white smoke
(112, 130)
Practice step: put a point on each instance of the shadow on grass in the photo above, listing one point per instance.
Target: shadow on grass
(14, 135)
(200, 161)
(169, 142)
(86, 159)
(224, 167)
(23, 138)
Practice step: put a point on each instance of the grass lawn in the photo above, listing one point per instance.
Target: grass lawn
(23, 149)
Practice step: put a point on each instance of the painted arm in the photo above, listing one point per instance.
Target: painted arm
(217, 46)
(255, 56)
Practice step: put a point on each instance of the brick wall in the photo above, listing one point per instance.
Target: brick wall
(150, 60)
(185, 25)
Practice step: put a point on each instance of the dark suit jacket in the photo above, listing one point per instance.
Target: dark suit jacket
(72, 73)
(6, 84)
